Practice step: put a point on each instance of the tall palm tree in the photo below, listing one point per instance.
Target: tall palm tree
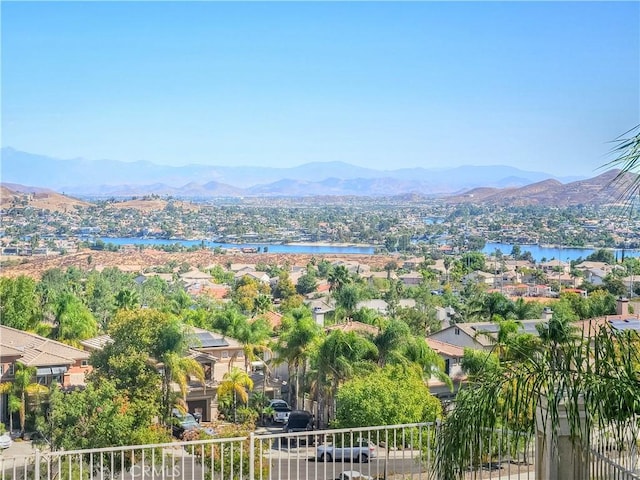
(295, 346)
(237, 383)
(171, 347)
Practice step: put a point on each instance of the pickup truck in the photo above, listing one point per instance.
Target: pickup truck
(281, 411)
(361, 452)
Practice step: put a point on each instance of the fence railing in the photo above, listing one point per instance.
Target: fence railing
(614, 454)
(384, 452)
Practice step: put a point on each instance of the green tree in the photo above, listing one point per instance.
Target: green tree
(284, 288)
(170, 347)
(237, 384)
(347, 299)
(74, 321)
(340, 357)
(307, 283)
(19, 303)
(127, 299)
(389, 396)
(22, 387)
(99, 416)
(338, 278)
(294, 346)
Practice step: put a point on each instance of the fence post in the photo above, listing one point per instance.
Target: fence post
(561, 459)
(36, 468)
(252, 453)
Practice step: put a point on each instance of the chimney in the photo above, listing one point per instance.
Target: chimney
(547, 313)
(622, 307)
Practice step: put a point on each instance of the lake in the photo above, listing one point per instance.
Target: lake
(272, 248)
(539, 252)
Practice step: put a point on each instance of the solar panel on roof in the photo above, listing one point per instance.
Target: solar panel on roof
(206, 340)
(625, 324)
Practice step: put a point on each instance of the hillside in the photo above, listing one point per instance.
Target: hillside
(40, 198)
(605, 189)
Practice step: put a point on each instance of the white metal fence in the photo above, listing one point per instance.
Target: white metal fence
(386, 452)
(614, 454)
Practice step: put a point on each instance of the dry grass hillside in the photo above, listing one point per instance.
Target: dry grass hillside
(153, 205)
(605, 189)
(138, 260)
(38, 198)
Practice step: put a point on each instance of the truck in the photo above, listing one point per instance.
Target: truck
(361, 452)
(281, 411)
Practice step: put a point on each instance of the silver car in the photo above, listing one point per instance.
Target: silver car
(5, 441)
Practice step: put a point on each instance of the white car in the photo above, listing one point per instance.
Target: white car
(5, 441)
(353, 475)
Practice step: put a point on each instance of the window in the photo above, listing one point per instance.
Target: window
(84, 363)
(1, 369)
(457, 331)
(225, 354)
(10, 371)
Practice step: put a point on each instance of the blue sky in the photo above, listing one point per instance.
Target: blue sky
(541, 86)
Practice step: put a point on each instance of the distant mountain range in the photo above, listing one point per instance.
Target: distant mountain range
(99, 178)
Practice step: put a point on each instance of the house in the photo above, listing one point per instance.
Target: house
(371, 277)
(479, 277)
(452, 356)
(216, 353)
(481, 335)
(595, 276)
(553, 267)
(195, 276)
(351, 326)
(411, 279)
(54, 362)
(260, 276)
(375, 304)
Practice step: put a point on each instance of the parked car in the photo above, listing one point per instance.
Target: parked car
(5, 441)
(281, 411)
(361, 452)
(353, 475)
(184, 422)
(299, 421)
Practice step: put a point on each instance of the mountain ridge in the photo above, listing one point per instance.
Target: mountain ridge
(115, 178)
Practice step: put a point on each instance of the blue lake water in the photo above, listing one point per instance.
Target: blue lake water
(272, 248)
(565, 254)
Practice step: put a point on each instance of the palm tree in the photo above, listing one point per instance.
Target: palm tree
(295, 346)
(338, 277)
(171, 349)
(21, 388)
(236, 383)
(627, 152)
(127, 299)
(391, 342)
(340, 356)
(253, 336)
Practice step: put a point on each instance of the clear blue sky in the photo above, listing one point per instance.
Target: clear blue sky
(541, 86)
